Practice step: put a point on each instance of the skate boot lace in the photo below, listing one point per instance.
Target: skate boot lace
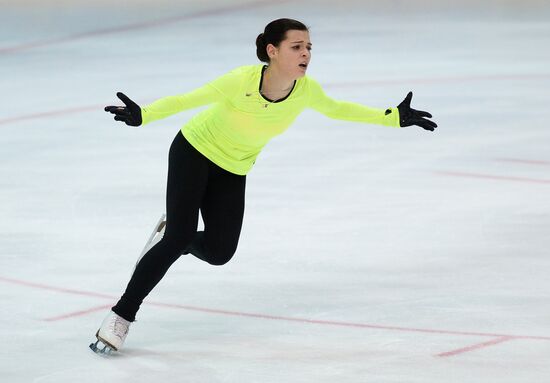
(119, 326)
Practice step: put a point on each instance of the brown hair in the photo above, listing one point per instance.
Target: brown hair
(274, 33)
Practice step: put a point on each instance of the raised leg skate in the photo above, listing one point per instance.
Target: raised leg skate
(154, 238)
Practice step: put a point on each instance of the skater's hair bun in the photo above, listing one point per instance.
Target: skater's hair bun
(274, 33)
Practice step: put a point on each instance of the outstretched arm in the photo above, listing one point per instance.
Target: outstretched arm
(350, 111)
(134, 115)
(215, 91)
(401, 116)
(170, 105)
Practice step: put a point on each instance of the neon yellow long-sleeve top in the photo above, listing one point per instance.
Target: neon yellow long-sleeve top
(240, 122)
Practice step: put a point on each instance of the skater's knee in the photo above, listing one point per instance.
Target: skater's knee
(220, 261)
(219, 257)
(214, 252)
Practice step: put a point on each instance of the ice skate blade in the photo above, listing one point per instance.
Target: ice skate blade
(105, 350)
(102, 347)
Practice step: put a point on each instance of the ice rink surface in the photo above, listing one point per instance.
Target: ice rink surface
(368, 254)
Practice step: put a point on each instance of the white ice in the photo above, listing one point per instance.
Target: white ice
(368, 254)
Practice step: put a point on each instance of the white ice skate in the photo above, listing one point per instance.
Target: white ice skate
(111, 335)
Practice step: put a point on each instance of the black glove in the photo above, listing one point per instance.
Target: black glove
(409, 116)
(130, 114)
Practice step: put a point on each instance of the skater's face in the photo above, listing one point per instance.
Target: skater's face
(293, 54)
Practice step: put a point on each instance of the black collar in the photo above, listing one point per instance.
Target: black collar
(267, 99)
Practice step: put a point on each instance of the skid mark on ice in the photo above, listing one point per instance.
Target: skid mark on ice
(496, 338)
(137, 26)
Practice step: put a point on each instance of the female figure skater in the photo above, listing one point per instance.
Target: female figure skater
(211, 155)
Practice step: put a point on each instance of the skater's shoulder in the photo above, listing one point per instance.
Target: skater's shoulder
(246, 70)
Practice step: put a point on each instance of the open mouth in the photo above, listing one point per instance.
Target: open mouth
(303, 65)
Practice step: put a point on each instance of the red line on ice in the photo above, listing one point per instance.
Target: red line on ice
(262, 316)
(54, 288)
(520, 161)
(476, 346)
(98, 108)
(135, 26)
(78, 313)
(437, 80)
(493, 177)
(345, 324)
(53, 113)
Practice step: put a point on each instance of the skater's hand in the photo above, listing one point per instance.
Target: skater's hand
(130, 114)
(409, 116)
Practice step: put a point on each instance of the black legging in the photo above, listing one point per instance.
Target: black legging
(194, 183)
